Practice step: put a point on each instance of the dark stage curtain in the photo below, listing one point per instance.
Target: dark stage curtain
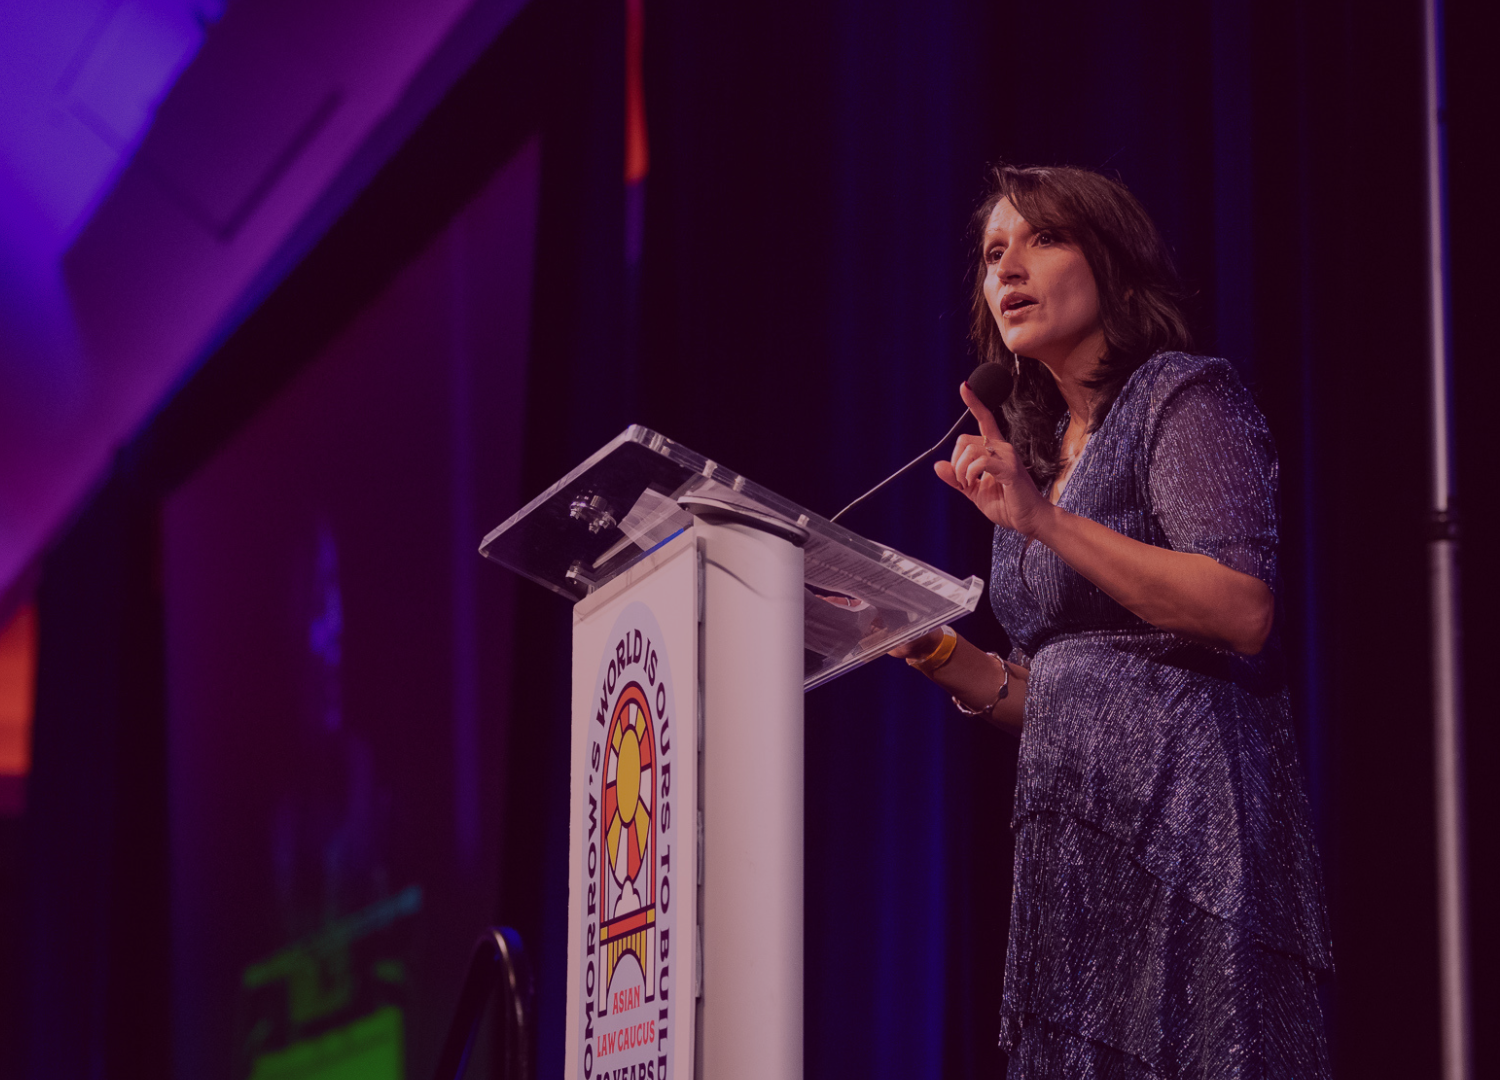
(804, 309)
(800, 316)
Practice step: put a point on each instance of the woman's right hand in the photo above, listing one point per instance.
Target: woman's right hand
(988, 471)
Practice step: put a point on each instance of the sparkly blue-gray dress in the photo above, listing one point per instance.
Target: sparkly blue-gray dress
(1167, 918)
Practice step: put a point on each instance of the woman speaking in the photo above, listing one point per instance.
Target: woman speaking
(1167, 917)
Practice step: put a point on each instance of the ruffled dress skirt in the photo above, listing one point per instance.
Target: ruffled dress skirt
(1114, 975)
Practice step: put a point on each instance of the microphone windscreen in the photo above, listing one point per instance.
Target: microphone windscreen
(992, 384)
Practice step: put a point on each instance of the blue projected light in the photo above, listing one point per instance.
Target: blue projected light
(80, 84)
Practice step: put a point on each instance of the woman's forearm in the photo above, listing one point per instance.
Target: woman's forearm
(975, 677)
(1180, 591)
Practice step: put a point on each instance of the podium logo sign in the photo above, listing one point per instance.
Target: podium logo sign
(629, 834)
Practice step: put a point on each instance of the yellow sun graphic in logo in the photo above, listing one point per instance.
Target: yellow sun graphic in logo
(628, 794)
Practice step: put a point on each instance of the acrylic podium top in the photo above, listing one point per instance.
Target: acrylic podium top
(861, 598)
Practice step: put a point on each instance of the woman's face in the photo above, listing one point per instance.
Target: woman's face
(1042, 293)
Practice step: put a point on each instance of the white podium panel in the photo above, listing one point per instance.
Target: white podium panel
(633, 859)
(752, 805)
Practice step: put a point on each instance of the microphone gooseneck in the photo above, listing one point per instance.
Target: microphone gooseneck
(913, 463)
(991, 383)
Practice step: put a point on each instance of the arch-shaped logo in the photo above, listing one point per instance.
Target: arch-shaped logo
(629, 835)
(628, 916)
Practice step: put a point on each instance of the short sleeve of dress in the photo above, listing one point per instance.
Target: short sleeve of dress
(1211, 468)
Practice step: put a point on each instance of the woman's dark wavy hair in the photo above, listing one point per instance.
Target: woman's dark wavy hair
(1140, 298)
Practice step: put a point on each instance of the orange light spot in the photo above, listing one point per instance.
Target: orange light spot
(17, 691)
(637, 151)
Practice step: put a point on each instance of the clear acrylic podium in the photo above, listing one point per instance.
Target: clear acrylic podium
(704, 605)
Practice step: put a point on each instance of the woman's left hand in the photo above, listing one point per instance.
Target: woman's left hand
(988, 471)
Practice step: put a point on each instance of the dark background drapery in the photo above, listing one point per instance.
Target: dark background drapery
(800, 316)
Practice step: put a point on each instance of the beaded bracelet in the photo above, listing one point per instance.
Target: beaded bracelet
(969, 710)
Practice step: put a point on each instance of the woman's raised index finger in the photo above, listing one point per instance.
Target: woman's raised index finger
(987, 425)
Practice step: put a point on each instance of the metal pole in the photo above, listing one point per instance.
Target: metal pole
(1453, 951)
(498, 959)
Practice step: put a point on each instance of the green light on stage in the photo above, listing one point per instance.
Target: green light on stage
(318, 974)
(371, 1048)
(328, 1006)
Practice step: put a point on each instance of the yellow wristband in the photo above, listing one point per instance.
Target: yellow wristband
(940, 654)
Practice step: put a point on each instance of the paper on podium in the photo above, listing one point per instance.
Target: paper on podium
(862, 598)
